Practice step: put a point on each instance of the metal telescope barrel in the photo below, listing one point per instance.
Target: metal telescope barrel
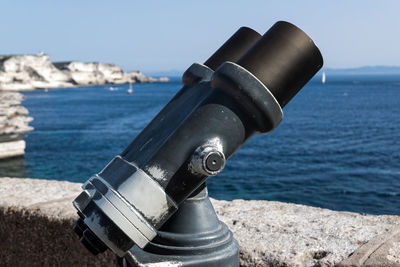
(233, 48)
(284, 60)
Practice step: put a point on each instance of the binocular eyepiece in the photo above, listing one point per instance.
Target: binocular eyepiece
(240, 90)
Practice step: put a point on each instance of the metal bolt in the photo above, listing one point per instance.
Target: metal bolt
(207, 160)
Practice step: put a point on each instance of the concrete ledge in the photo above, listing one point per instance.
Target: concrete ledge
(37, 217)
(383, 250)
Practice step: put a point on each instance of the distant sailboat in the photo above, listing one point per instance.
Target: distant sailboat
(130, 90)
(323, 77)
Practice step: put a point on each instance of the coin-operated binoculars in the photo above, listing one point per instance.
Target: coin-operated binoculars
(150, 203)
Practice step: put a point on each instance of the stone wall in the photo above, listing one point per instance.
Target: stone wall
(37, 217)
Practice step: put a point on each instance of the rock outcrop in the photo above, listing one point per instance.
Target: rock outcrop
(37, 217)
(29, 72)
(100, 73)
(13, 124)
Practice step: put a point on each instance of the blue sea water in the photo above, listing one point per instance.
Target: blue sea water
(338, 146)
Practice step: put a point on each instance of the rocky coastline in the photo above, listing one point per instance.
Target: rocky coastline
(30, 72)
(13, 124)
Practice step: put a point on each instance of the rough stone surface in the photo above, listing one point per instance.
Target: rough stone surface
(383, 250)
(36, 222)
(51, 198)
(278, 233)
(269, 233)
(28, 72)
(29, 238)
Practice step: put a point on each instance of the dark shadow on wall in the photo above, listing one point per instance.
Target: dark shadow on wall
(32, 239)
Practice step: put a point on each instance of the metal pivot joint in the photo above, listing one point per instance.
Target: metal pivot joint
(135, 203)
(208, 159)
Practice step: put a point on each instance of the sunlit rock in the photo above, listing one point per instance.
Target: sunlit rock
(29, 72)
(13, 125)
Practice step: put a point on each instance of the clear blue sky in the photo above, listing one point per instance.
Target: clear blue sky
(170, 35)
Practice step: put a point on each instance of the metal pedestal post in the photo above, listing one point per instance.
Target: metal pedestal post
(193, 236)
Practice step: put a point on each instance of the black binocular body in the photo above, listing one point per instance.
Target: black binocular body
(239, 91)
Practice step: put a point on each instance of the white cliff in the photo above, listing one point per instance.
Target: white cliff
(93, 73)
(29, 72)
(13, 124)
(100, 73)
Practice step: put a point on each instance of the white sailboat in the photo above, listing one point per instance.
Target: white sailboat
(130, 90)
(323, 77)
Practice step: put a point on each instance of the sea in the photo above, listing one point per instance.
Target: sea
(338, 146)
